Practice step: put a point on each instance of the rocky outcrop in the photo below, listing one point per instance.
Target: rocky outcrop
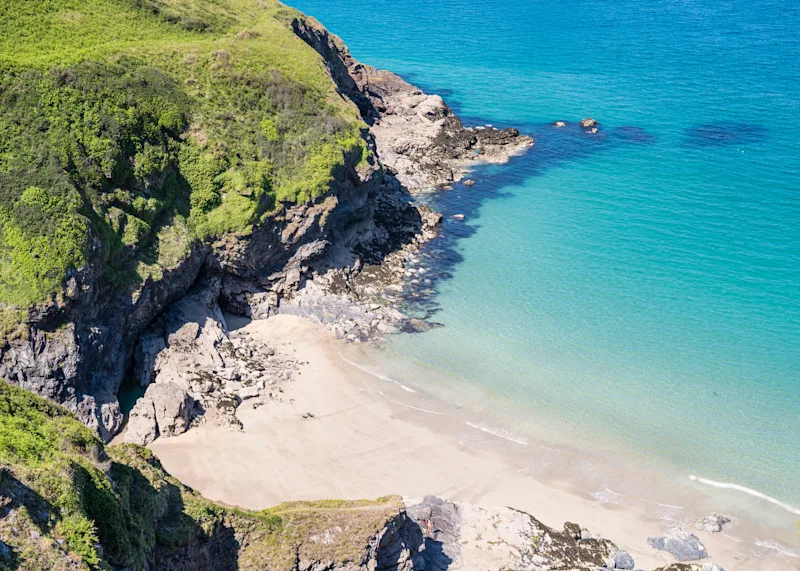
(352, 242)
(196, 371)
(417, 136)
(681, 543)
(465, 536)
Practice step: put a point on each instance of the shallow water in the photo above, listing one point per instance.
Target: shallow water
(637, 291)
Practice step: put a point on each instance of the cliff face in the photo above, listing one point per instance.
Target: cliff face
(76, 347)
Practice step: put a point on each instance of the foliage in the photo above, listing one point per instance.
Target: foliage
(116, 507)
(120, 118)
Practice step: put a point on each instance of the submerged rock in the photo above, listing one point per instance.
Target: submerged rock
(715, 523)
(681, 543)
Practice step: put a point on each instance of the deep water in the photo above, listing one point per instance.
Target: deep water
(639, 288)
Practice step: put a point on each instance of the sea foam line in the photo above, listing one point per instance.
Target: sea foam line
(410, 406)
(746, 490)
(374, 374)
(499, 433)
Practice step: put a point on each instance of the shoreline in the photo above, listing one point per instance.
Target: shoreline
(366, 440)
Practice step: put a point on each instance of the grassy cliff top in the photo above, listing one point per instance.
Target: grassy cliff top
(66, 502)
(130, 130)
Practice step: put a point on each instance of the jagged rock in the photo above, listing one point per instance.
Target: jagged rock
(145, 357)
(681, 543)
(417, 136)
(465, 536)
(715, 523)
(588, 123)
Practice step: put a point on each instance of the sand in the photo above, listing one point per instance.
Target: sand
(364, 442)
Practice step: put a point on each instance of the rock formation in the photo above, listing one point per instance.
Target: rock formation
(465, 536)
(418, 137)
(715, 523)
(681, 543)
(76, 352)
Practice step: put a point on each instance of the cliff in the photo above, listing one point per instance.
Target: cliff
(148, 145)
(67, 502)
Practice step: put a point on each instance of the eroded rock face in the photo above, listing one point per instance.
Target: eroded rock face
(681, 543)
(417, 137)
(190, 349)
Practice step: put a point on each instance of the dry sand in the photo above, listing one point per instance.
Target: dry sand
(364, 442)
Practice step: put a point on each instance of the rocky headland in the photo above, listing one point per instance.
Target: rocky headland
(331, 258)
(339, 258)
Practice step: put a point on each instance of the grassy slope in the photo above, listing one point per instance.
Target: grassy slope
(68, 503)
(150, 125)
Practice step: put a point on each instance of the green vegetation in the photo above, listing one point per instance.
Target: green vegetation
(149, 126)
(67, 502)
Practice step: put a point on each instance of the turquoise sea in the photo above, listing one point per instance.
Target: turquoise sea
(638, 289)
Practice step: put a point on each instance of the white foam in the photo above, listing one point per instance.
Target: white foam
(378, 375)
(779, 547)
(409, 406)
(749, 491)
(499, 433)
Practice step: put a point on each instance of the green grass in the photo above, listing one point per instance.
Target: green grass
(65, 498)
(119, 118)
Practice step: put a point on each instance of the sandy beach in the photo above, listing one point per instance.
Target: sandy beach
(364, 442)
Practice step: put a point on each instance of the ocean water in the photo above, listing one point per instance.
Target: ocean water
(635, 290)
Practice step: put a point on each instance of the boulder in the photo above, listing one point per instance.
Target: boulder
(621, 560)
(560, 124)
(681, 543)
(588, 123)
(164, 410)
(469, 182)
(172, 407)
(715, 523)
